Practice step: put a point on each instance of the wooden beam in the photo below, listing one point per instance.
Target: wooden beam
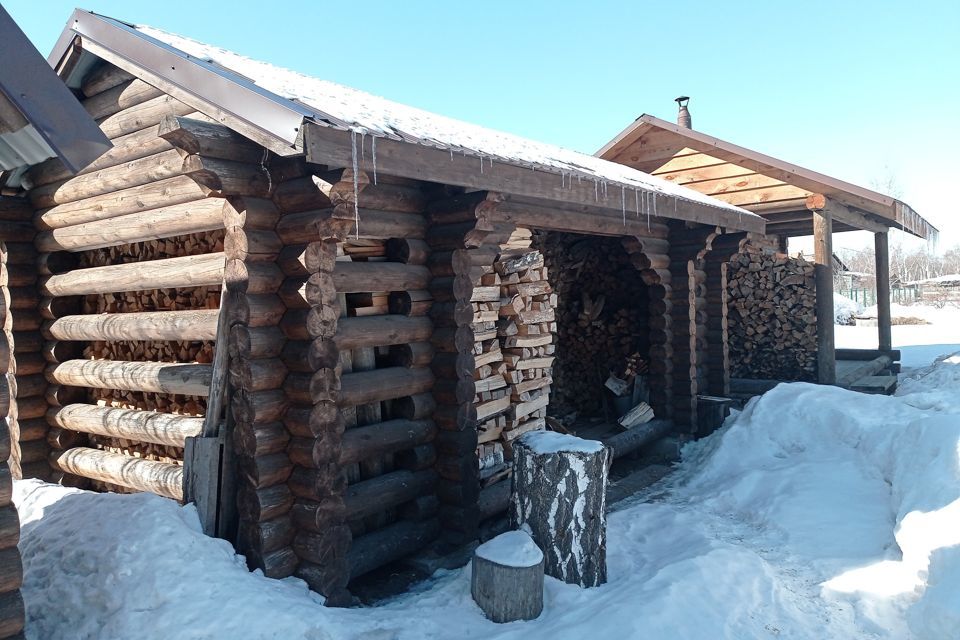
(158, 377)
(882, 253)
(194, 324)
(325, 145)
(556, 219)
(163, 478)
(154, 224)
(823, 276)
(142, 426)
(841, 213)
(170, 273)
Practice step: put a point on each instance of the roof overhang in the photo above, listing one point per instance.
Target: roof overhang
(39, 117)
(289, 127)
(757, 182)
(327, 145)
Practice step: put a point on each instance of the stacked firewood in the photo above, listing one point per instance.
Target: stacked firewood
(772, 316)
(492, 396)
(602, 318)
(526, 327)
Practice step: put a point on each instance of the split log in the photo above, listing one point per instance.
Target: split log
(559, 496)
(162, 478)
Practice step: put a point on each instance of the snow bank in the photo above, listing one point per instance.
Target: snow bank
(844, 309)
(815, 513)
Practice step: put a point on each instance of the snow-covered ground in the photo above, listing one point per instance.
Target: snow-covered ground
(919, 344)
(817, 513)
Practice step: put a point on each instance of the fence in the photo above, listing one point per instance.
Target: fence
(868, 297)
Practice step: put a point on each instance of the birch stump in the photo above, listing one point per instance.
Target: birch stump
(559, 496)
(507, 580)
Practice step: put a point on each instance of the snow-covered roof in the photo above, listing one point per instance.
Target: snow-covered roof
(948, 279)
(342, 107)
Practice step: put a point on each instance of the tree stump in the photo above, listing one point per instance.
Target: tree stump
(559, 497)
(507, 580)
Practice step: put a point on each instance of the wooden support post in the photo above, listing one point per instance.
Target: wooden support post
(823, 274)
(882, 252)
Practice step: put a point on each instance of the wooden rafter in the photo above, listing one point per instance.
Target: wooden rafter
(749, 179)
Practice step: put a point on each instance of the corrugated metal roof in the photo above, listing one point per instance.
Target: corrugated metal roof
(39, 117)
(22, 148)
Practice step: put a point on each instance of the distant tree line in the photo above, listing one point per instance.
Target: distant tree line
(906, 265)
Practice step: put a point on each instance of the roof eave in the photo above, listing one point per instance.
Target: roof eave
(46, 103)
(889, 211)
(333, 146)
(238, 103)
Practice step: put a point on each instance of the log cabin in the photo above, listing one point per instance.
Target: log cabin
(40, 119)
(322, 316)
(769, 316)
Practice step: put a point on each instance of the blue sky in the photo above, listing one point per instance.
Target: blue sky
(867, 92)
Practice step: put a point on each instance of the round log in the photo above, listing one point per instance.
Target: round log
(559, 495)
(161, 478)
(507, 578)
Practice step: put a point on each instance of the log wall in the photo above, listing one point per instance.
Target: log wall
(14, 221)
(134, 254)
(359, 349)
(688, 246)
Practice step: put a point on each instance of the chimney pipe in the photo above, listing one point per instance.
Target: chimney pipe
(683, 117)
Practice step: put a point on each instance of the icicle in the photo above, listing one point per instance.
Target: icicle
(363, 137)
(373, 152)
(451, 154)
(623, 203)
(481, 163)
(596, 190)
(356, 183)
(654, 205)
(636, 195)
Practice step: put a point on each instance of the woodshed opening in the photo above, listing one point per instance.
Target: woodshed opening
(603, 342)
